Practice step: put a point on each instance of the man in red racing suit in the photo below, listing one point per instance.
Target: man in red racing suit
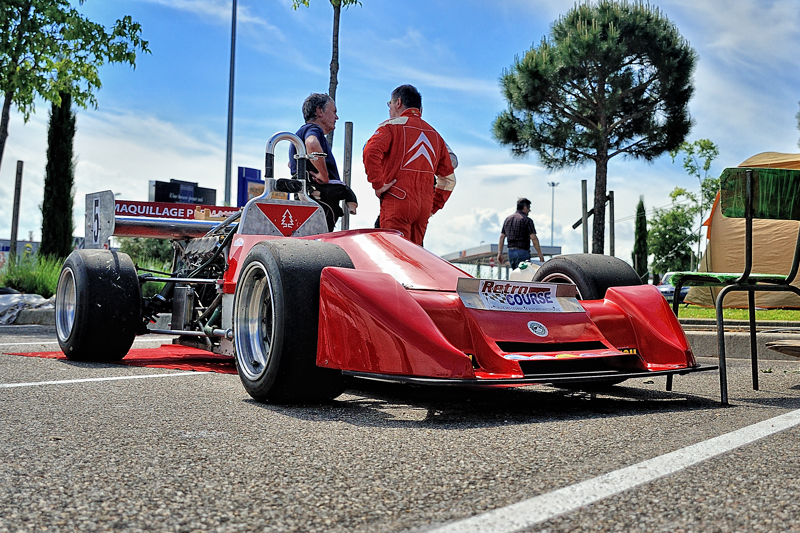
(408, 165)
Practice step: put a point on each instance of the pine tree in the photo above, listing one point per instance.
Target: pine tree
(57, 225)
(612, 78)
(639, 255)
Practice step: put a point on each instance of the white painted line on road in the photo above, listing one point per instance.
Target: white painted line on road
(542, 508)
(87, 380)
(55, 343)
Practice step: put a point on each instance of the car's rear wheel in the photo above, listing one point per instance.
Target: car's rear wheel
(592, 274)
(98, 305)
(275, 319)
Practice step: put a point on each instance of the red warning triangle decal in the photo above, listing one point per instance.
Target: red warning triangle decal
(287, 218)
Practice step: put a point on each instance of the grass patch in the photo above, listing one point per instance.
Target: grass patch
(695, 311)
(32, 275)
(39, 275)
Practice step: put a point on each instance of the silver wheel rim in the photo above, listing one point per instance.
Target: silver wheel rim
(66, 301)
(254, 323)
(561, 278)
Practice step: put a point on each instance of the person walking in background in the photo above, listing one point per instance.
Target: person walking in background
(521, 233)
(408, 164)
(319, 112)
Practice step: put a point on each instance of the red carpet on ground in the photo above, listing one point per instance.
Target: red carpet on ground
(173, 356)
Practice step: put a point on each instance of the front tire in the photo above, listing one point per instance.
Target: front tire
(592, 274)
(275, 319)
(98, 305)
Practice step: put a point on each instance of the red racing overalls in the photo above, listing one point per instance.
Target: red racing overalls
(408, 149)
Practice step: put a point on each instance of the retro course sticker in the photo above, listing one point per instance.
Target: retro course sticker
(520, 297)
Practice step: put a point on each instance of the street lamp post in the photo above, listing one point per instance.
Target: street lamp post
(552, 184)
(229, 143)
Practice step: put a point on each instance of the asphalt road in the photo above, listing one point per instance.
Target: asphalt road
(164, 450)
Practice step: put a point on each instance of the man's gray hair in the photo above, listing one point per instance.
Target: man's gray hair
(313, 102)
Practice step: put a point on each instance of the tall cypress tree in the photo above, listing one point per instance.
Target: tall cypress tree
(639, 254)
(57, 225)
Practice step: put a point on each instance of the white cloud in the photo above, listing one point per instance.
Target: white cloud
(218, 10)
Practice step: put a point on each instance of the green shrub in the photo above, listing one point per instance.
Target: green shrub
(143, 250)
(152, 288)
(32, 275)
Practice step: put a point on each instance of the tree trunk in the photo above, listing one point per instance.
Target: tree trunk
(599, 226)
(22, 28)
(57, 223)
(4, 124)
(337, 10)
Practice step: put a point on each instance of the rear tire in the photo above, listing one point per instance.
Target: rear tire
(276, 319)
(98, 305)
(592, 274)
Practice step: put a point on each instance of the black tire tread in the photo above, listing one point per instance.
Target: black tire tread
(108, 306)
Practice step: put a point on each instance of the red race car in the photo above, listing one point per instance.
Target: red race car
(300, 308)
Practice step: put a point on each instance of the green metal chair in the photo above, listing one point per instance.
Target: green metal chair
(749, 193)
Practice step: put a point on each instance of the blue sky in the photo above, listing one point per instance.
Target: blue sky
(167, 119)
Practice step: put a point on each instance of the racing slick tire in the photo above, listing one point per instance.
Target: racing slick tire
(276, 320)
(592, 274)
(98, 305)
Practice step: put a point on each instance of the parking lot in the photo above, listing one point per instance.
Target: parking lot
(99, 447)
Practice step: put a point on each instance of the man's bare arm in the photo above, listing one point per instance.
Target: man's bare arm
(535, 241)
(313, 146)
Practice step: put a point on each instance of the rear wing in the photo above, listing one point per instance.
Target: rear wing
(103, 221)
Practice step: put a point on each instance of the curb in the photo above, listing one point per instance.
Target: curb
(42, 317)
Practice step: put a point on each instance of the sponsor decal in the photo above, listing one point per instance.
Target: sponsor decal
(420, 154)
(287, 218)
(520, 357)
(566, 356)
(537, 328)
(514, 296)
(634, 351)
(171, 210)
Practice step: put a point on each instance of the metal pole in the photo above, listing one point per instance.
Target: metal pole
(348, 167)
(611, 223)
(12, 252)
(552, 184)
(585, 218)
(229, 144)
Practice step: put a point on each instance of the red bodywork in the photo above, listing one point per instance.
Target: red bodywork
(398, 314)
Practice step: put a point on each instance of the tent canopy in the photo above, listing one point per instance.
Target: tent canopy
(773, 246)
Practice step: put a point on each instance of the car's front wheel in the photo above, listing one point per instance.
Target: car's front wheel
(276, 315)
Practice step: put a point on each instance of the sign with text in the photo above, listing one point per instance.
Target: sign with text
(517, 296)
(170, 210)
(184, 192)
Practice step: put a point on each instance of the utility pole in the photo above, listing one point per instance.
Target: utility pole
(584, 217)
(12, 251)
(552, 184)
(229, 144)
(611, 237)
(348, 168)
